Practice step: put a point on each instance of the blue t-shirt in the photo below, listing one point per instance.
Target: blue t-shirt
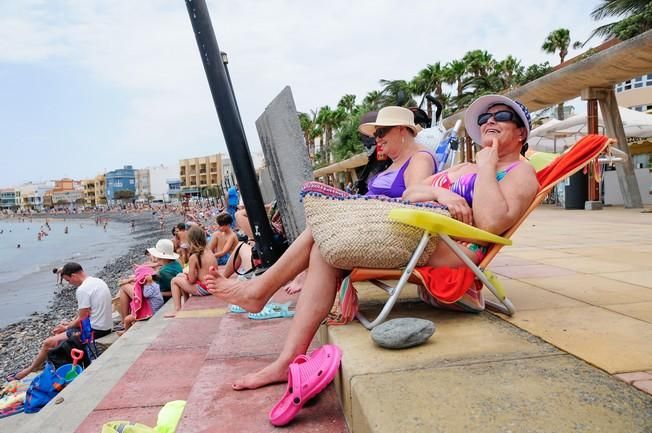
(233, 199)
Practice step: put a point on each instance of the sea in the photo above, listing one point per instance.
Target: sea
(27, 283)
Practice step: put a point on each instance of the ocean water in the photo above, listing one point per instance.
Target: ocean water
(27, 283)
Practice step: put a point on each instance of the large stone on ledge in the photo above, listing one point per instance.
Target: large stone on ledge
(402, 333)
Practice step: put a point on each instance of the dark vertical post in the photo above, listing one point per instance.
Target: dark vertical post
(236, 141)
(592, 120)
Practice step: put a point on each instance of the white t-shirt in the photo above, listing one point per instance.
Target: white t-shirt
(93, 293)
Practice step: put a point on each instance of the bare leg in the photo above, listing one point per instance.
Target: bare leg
(252, 295)
(296, 285)
(313, 306)
(48, 344)
(126, 293)
(176, 295)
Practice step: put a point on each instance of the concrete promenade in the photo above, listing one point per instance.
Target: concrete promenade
(576, 357)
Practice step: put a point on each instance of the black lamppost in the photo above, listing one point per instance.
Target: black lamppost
(234, 135)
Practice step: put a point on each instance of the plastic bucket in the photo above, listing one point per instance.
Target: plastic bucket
(67, 368)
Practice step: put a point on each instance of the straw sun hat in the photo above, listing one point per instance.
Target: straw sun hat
(164, 249)
(391, 116)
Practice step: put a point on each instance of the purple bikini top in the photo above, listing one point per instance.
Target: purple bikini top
(392, 183)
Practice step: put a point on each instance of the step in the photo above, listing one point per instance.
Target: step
(477, 373)
(241, 346)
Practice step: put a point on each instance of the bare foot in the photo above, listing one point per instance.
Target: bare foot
(296, 285)
(245, 293)
(170, 315)
(274, 373)
(19, 375)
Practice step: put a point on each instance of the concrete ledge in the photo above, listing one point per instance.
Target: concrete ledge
(82, 395)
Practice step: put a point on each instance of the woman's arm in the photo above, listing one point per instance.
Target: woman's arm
(497, 205)
(420, 167)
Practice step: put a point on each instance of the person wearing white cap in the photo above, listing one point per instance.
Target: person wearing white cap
(394, 130)
(164, 255)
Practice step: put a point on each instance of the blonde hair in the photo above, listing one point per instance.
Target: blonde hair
(196, 242)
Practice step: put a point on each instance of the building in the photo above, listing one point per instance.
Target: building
(8, 199)
(174, 189)
(100, 190)
(160, 178)
(66, 193)
(89, 192)
(198, 174)
(120, 184)
(636, 94)
(143, 192)
(32, 194)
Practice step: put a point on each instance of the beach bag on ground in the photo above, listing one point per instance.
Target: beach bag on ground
(43, 389)
(353, 231)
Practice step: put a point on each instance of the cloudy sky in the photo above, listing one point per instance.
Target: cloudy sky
(87, 86)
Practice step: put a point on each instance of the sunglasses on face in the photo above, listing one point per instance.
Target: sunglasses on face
(381, 132)
(499, 116)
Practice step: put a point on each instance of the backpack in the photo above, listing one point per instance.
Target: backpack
(43, 389)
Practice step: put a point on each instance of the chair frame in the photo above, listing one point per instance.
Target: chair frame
(440, 225)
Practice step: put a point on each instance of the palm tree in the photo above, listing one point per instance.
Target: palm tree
(329, 120)
(347, 102)
(479, 63)
(558, 40)
(428, 80)
(454, 73)
(372, 100)
(397, 92)
(637, 18)
(509, 72)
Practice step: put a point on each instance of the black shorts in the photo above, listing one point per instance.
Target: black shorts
(97, 333)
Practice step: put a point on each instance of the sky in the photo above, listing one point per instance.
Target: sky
(87, 86)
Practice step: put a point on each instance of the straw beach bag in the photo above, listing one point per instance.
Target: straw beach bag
(353, 231)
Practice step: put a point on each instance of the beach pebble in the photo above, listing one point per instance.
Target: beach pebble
(402, 333)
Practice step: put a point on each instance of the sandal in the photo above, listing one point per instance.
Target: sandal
(307, 377)
(273, 311)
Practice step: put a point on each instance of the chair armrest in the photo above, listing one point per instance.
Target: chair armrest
(436, 223)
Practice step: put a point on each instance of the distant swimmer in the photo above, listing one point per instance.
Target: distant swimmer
(65, 230)
(18, 246)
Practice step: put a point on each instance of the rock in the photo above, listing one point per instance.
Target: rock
(402, 333)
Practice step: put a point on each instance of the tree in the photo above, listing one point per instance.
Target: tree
(454, 74)
(637, 18)
(347, 103)
(346, 142)
(428, 80)
(397, 92)
(535, 71)
(509, 72)
(329, 120)
(479, 63)
(558, 40)
(373, 100)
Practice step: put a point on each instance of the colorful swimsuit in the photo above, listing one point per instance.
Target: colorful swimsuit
(392, 183)
(464, 187)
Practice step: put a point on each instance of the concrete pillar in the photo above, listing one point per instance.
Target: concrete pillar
(614, 128)
(287, 158)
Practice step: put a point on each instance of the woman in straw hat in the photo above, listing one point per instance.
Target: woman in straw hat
(394, 130)
(491, 194)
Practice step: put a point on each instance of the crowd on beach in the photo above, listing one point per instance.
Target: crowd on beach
(201, 236)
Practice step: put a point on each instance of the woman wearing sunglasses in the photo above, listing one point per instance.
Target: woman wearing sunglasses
(394, 131)
(491, 194)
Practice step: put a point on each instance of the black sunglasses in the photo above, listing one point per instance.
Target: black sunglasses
(381, 132)
(499, 116)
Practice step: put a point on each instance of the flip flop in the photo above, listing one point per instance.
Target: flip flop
(236, 309)
(307, 377)
(12, 376)
(272, 311)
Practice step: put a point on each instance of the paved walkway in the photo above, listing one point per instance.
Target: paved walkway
(577, 356)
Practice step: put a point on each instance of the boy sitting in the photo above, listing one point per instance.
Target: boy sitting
(224, 240)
